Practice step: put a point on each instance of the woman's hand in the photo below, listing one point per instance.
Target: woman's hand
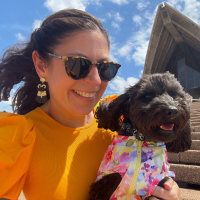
(169, 192)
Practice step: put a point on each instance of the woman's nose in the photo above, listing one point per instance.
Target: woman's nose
(93, 77)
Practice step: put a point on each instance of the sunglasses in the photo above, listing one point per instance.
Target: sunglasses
(78, 67)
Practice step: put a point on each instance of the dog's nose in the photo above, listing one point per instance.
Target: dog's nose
(171, 111)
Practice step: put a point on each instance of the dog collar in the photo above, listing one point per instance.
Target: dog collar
(129, 129)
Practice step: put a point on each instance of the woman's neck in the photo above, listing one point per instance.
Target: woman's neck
(69, 120)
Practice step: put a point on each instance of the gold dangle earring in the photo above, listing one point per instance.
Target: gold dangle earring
(42, 94)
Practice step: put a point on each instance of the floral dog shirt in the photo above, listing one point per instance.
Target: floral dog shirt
(142, 166)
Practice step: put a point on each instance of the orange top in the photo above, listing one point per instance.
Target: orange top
(47, 159)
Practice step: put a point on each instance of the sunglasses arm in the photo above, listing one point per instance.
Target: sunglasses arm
(57, 56)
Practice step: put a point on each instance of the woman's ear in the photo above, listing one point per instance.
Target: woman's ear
(40, 65)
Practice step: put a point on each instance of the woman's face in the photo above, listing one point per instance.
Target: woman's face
(77, 97)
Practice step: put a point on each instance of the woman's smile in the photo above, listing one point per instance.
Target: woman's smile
(85, 94)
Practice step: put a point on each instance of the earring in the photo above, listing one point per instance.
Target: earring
(42, 94)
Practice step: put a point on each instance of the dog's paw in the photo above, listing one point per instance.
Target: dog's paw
(104, 188)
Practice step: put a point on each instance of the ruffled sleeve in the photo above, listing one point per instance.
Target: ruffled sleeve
(17, 139)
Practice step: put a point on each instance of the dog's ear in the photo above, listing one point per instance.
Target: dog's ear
(182, 142)
(109, 115)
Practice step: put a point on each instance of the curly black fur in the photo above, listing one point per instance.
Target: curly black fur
(148, 105)
(156, 100)
(109, 183)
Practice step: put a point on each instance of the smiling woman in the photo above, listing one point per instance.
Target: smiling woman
(53, 146)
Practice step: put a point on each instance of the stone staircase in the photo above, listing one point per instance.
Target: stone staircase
(186, 165)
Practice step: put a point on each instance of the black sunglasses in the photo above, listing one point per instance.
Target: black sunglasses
(78, 67)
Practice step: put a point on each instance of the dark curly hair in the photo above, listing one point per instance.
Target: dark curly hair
(16, 64)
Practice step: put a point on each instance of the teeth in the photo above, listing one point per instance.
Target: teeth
(85, 94)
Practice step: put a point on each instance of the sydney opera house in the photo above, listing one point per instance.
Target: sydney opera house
(174, 46)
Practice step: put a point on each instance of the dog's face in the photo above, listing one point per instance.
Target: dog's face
(159, 108)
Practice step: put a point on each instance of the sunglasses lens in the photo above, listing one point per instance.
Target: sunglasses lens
(77, 68)
(107, 71)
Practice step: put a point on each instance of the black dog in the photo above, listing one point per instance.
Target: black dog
(156, 109)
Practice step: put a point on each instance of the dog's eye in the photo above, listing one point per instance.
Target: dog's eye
(172, 94)
(148, 96)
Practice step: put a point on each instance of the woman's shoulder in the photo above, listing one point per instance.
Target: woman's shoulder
(17, 141)
(7, 119)
(108, 98)
(17, 126)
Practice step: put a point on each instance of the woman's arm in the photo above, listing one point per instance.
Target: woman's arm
(17, 140)
(169, 192)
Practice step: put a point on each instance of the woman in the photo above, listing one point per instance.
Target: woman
(53, 150)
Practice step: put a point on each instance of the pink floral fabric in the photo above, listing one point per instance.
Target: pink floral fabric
(121, 157)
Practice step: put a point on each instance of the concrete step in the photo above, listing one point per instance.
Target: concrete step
(188, 194)
(193, 110)
(195, 135)
(190, 156)
(194, 118)
(187, 157)
(189, 191)
(194, 114)
(195, 128)
(196, 108)
(196, 123)
(195, 145)
(186, 173)
(173, 157)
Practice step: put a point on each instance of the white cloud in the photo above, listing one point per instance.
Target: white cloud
(120, 2)
(4, 106)
(125, 50)
(135, 47)
(142, 5)
(190, 8)
(113, 47)
(20, 37)
(102, 20)
(141, 45)
(141, 38)
(36, 24)
(115, 25)
(137, 19)
(141, 73)
(109, 14)
(175, 4)
(115, 16)
(116, 19)
(119, 84)
(8, 102)
(150, 16)
(56, 5)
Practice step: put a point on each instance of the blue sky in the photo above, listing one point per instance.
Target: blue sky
(128, 22)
